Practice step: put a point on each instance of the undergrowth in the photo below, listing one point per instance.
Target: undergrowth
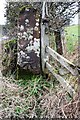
(71, 36)
(34, 87)
(34, 84)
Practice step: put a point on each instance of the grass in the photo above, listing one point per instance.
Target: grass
(71, 33)
(52, 41)
(71, 36)
(34, 84)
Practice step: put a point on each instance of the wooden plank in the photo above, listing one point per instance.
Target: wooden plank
(44, 38)
(63, 61)
(47, 10)
(42, 46)
(43, 10)
(62, 81)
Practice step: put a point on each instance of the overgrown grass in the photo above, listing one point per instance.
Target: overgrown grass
(9, 57)
(33, 88)
(52, 41)
(71, 35)
(34, 84)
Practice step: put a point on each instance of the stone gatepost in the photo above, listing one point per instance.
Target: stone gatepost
(29, 40)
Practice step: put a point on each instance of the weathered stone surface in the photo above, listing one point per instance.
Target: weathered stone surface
(29, 40)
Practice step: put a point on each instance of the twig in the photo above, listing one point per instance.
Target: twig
(68, 104)
(63, 112)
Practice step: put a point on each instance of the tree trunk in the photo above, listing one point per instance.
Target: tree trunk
(58, 42)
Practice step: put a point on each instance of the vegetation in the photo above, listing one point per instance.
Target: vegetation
(35, 84)
(32, 95)
(71, 37)
(9, 57)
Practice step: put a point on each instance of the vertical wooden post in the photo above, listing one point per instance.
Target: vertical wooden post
(44, 38)
(42, 46)
(58, 42)
(63, 39)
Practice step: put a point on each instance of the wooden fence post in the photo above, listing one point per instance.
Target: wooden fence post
(44, 37)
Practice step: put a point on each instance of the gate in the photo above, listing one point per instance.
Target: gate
(47, 52)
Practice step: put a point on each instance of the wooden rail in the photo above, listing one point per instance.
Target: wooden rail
(62, 81)
(63, 61)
